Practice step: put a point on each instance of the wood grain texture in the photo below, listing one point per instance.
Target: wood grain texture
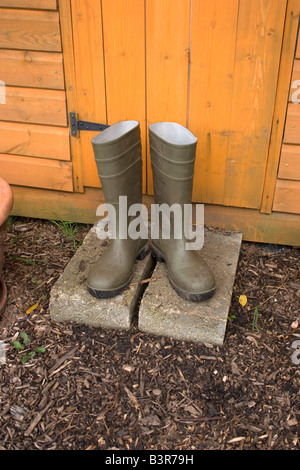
(213, 44)
(295, 84)
(29, 30)
(35, 140)
(124, 49)
(280, 109)
(287, 197)
(34, 4)
(298, 48)
(235, 55)
(32, 105)
(292, 126)
(37, 172)
(90, 80)
(32, 69)
(167, 64)
(65, 14)
(257, 59)
(290, 162)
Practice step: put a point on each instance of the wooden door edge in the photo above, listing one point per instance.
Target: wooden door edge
(280, 107)
(65, 16)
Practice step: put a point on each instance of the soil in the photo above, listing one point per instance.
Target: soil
(126, 390)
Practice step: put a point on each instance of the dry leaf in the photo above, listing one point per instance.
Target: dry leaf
(33, 307)
(243, 300)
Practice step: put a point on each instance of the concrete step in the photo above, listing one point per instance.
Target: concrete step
(71, 302)
(157, 307)
(162, 312)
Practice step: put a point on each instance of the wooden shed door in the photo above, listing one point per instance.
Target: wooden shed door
(209, 65)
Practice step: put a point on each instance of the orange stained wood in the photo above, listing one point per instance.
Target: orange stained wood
(292, 126)
(290, 162)
(37, 172)
(35, 140)
(124, 50)
(280, 108)
(298, 48)
(38, 4)
(167, 64)
(32, 69)
(259, 45)
(29, 30)
(287, 197)
(257, 56)
(65, 15)
(88, 80)
(213, 45)
(32, 105)
(295, 85)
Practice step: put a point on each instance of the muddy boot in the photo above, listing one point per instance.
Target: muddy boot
(173, 149)
(117, 152)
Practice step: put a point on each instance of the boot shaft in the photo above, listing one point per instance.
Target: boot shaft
(118, 156)
(173, 150)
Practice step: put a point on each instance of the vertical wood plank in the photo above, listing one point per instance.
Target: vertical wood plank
(167, 62)
(89, 73)
(282, 94)
(298, 42)
(124, 46)
(259, 42)
(71, 87)
(213, 41)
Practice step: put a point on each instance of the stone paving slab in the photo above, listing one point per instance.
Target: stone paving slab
(71, 302)
(162, 312)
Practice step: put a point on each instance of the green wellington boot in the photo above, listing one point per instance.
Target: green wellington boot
(117, 152)
(173, 149)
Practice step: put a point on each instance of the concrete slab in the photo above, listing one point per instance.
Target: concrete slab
(162, 312)
(71, 302)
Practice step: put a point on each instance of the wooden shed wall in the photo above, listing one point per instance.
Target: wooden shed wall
(287, 190)
(34, 131)
(223, 69)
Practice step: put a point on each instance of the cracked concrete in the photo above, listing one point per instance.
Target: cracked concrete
(158, 310)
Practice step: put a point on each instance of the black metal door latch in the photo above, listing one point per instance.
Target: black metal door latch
(84, 125)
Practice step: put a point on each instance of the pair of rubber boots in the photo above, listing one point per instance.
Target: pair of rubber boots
(117, 152)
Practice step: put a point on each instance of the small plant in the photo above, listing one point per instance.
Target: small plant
(11, 220)
(255, 320)
(69, 229)
(20, 345)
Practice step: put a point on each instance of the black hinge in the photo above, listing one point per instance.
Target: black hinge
(84, 125)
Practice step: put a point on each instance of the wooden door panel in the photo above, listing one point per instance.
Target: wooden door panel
(234, 69)
(167, 64)
(209, 67)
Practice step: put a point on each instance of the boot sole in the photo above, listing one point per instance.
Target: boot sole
(107, 294)
(193, 297)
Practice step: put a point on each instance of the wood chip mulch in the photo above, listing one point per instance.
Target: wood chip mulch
(126, 390)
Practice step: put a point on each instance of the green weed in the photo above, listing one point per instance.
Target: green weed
(20, 345)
